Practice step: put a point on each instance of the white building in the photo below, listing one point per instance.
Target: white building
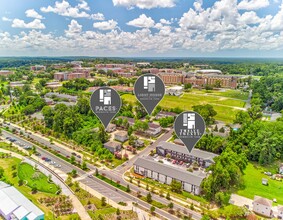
(262, 206)
(13, 205)
(165, 174)
(174, 91)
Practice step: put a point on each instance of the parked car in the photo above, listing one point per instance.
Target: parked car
(43, 158)
(57, 165)
(79, 156)
(174, 161)
(74, 154)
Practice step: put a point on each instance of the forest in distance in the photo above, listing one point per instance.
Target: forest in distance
(233, 66)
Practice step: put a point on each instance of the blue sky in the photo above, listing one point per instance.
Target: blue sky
(174, 28)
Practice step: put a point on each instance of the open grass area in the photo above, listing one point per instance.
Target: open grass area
(253, 186)
(7, 164)
(235, 94)
(221, 104)
(35, 178)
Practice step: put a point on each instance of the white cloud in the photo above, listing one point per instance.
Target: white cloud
(253, 4)
(220, 27)
(164, 21)
(145, 4)
(142, 22)
(65, 9)
(249, 17)
(6, 19)
(105, 25)
(98, 16)
(31, 13)
(74, 29)
(84, 5)
(35, 24)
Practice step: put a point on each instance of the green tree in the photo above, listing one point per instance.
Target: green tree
(103, 201)
(149, 198)
(176, 186)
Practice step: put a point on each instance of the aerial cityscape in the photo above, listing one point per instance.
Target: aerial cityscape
(141, 109)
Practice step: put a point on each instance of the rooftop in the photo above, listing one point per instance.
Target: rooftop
(112, 144)
(182, 149)
(178, 174)
(11, 200)
(263, 201)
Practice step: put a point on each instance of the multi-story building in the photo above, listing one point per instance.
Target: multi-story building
(199, 80)
(62, 76)
(165, 174)
(181, 153)
(38, 68)
(6, 72)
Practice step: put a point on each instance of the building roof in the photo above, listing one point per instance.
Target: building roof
(182, 149)
(166, 113)
(122, 133)
(153, 126)
(263, 201)
(175, 173)
(11, 200)
(209, 71)
(112, 144)
(280, 208)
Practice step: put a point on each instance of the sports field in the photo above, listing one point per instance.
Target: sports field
(225, 103)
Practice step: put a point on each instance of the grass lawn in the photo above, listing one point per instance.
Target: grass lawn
(221, 104)
(35, 178)
(252, 184)
(229, 93)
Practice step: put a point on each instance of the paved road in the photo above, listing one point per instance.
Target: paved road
(124, 167)
(105, 189)
(113, 174)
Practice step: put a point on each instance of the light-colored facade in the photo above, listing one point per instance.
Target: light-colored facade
(165, 174)
(262, 206)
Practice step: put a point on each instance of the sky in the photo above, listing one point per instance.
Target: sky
(142, 28)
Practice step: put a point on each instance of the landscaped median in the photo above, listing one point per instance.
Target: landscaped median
(148, 198)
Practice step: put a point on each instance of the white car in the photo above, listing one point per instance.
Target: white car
(57, 165)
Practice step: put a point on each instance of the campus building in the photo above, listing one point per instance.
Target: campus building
(14, 205)
(201, 79)
(181, 153)
(165, 174)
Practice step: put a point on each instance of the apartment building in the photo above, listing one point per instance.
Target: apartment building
(165, 174)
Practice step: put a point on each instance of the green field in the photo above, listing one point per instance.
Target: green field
(253, 186)
(35, 178)
(226, 107)
(235, 94)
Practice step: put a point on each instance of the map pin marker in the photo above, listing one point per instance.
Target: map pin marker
(105, 103)
(189, 127)
(149, 90)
